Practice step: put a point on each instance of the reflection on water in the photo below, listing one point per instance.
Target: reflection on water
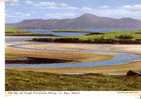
(11, 39)
(45, 31)
(121, 58)
(85, 31)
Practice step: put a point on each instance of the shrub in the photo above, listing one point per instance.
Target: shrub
(125, 36)
(95, 33)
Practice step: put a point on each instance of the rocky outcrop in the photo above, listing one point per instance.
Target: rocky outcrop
(133, 73)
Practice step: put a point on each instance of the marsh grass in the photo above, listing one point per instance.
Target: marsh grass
(37, 81)
(109, 37)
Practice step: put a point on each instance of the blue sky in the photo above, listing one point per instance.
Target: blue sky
(18, 10)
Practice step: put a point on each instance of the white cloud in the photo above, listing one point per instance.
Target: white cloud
(49, 5)
(61, 15)
(28, 2)
(54, 5)
(86, 9)
(104, 7)
(12, 1)
(133, 11)
(69, 11)
(136, 7)
(21, 14)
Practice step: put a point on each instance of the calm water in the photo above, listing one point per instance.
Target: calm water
(121, 58)
(11, 39)
(46, 31)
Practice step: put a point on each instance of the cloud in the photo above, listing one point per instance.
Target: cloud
(52, 9)
(28, 2)
(61, 15)
(54, 5)
(21, 14)
(136, 7)
(49, 5)
(12, 1)
(133, 11)
(86, 9)
(104, 7)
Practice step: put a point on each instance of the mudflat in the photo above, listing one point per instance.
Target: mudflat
(114, 69)
(78, 56)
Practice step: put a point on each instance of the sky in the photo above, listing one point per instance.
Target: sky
(18, 10)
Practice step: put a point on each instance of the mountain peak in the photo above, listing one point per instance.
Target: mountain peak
(84, 21)
(88, 15)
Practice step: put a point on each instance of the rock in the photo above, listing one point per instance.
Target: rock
(133, 73)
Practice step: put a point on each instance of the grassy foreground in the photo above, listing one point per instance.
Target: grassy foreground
(37, 81)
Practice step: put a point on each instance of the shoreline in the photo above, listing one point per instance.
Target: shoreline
(129, 48)
(135, 49)
(123, 68)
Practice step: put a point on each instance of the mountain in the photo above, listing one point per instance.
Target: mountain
(84, 21)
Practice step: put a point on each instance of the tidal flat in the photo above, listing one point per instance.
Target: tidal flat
(77, 69)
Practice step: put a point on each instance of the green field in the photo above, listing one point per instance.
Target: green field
(133, 37)
(37, 81)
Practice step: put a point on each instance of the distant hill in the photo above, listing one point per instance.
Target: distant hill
(84, 21)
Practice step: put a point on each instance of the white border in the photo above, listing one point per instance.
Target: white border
(2, 47)
(51, 95)
(69, 95)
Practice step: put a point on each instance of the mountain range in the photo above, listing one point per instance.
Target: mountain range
(81, 22)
